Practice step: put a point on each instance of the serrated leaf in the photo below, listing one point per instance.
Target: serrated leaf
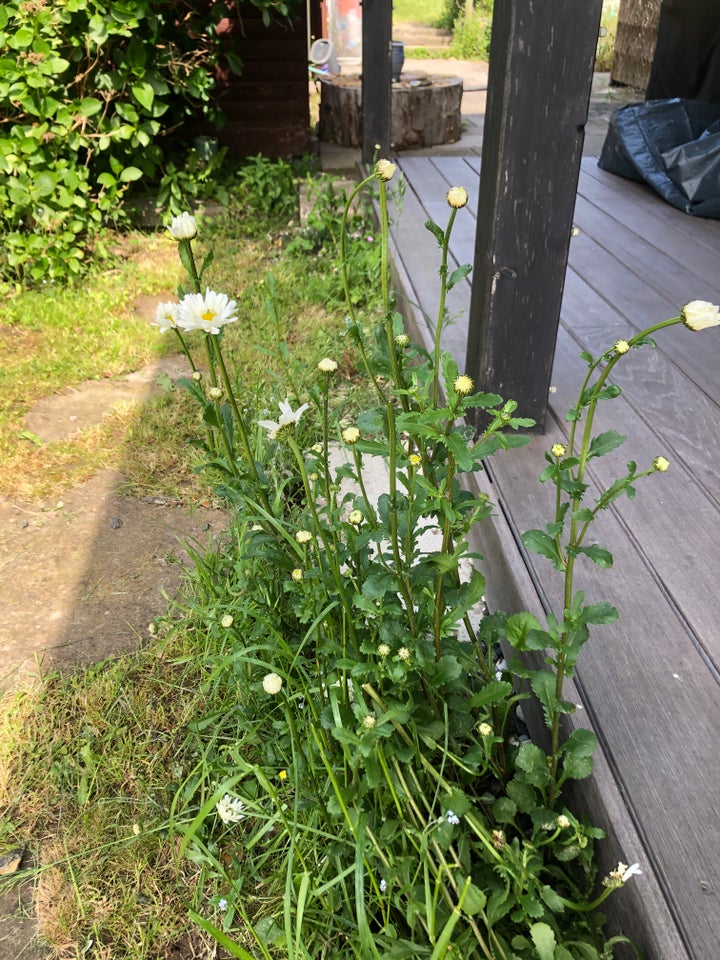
(543, 685)
(543, 937)
(600, 613)
(436, 231)
(459, 274)
(474, 901)
(605, 442)
(540, 542)
(599, 555)
(533, 763)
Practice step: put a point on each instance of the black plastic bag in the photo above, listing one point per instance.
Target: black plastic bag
(673, 145)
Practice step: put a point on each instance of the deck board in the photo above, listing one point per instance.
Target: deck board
(650, 683)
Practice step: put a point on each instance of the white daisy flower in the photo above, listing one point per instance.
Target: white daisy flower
(230, 808)
(206, 312)
(165, 317)
(183, 227)
(288, 418)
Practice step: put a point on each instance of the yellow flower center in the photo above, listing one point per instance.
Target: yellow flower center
(209, 316)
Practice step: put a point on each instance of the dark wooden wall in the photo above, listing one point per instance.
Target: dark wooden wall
(267, 107)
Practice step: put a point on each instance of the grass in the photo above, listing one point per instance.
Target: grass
(90, 762)
(55, 338)
(418, 11)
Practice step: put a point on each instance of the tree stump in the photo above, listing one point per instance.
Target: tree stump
(425, 110)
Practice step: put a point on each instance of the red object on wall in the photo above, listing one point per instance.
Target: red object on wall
(267, 107)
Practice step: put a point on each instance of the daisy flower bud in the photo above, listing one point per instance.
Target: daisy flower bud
(297, 574)
(699, 315)
(303, 536)
(661, 464)
(327, 365)
(463, 385)
(457, 197)
(385, 170)
(355, 517)
(369, 721)
(272, 684)
(621, 346)
(227, 621)
(351, 435)
(558, 449)
(214, 393)
(183, 227)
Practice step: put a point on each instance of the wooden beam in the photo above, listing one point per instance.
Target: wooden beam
(541, 66)
(376, 78)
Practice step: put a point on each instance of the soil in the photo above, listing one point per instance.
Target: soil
(83, 574)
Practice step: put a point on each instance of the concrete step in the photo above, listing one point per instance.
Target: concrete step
(422, 35)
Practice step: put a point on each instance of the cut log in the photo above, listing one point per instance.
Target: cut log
(425, 111)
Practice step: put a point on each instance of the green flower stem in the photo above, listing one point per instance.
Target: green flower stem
(401, 579)
(370, 509)
(329, 544)
(184, 348)
(192, 268)
(346, 285)
(325, 439)
(441, 308)
(398, 378)
(446, 548)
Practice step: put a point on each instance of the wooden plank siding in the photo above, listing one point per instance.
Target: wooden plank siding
(648, 684)
(267, 107)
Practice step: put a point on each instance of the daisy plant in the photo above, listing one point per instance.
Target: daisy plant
(366, 788)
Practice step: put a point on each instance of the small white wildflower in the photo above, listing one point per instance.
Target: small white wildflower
(197, 376)
(355, 517)
(327, 365)
(383, 885)
(369, 721)
(136, 829)
(384, 650)
(303, 536)
(563, 822)
(222, 904)
(558, 449)
(485, 730)
(297, 574)
(165, 317)
(183, 227)
(452, 818)
(272, 684)
(288, 418)
(351, 435)
(230, 808)
(404, 653)
(227, 621)
(215, 393)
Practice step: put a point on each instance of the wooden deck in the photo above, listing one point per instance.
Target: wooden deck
(649, 684)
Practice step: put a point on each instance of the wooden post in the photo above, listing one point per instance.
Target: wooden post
(541, 65)
(376, 78)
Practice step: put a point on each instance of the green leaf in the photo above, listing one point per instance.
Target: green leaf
(459, 274)
(88, 106)
(504, 810)
(474, 901)
(436, 231)
(144, 94)
(605, 442)
(599, 555)
(540, 542)
(130, 173)
(543, 684)
(600, 613)
(544, 939)
(518, 626)
(533, 763)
